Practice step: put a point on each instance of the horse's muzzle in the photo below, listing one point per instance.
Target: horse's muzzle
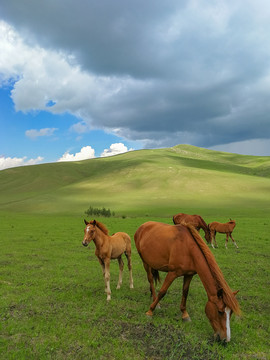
(84, 244)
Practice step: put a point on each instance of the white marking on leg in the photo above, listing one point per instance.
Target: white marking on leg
(228, 312)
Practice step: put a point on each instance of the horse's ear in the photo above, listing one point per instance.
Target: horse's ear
(220, 293)
(235, 292)
(86, 222)
(94, 222)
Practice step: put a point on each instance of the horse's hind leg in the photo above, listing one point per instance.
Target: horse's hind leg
(128, 256)
(186, 283)
(233, 240)
(121, 267)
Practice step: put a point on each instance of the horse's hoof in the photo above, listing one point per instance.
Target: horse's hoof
(149, 313)
(186, 319)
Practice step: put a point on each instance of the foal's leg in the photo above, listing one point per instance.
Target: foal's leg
(215, 233)
(227, 239)
(103, 269)
(128, 256)
(107, 278)
(233, 240)
(171, 276)
(186, 283)
(212, 237)
(121, 267)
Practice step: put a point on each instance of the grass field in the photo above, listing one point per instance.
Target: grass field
(52, 303)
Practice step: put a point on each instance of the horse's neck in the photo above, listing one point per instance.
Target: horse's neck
(203, 225)
(99, 239)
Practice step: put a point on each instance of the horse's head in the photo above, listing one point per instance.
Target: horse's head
(219, 316)
(89, 232)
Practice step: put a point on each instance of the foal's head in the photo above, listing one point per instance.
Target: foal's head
(89, 232)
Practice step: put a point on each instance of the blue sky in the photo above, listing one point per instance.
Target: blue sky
(17, 140)
(86, 79)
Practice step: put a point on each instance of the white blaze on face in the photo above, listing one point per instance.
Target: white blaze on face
(228, 312)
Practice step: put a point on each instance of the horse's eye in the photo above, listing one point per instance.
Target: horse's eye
(221, 312)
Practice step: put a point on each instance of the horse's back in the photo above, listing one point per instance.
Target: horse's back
(222, 227)
(163, 246)
(121, 238)
(194, 220)
(158, 234)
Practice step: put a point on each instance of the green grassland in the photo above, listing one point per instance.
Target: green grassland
(52, 303)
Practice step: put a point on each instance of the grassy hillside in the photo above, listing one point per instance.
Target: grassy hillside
(160, 182)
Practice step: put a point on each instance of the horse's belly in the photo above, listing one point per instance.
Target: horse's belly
(117, 251)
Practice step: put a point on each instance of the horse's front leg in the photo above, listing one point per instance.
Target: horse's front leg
(186, 282)
(121, 267)
(107, 278)
(171, 276)
(103, 270)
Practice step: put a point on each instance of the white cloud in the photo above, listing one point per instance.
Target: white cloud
(85, 153)
(117, 148)
(33, 133)
(9, 162)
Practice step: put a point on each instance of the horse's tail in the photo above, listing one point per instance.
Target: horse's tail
(156, 276)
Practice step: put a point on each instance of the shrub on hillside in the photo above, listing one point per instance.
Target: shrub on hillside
(99, 212)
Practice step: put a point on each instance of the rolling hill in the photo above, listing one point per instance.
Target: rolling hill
(147, 182)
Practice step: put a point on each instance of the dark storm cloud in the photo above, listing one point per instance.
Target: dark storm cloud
(194, 71)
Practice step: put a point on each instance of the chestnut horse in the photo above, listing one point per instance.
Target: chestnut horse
(194, 220)
(179, 250)
(226, 228)
(107, 248)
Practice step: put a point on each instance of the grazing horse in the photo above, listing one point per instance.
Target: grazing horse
(226, 228)
(107, 248)
(194, 220)
(179, 250)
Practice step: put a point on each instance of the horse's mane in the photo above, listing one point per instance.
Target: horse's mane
(228, 296)
(101, 226)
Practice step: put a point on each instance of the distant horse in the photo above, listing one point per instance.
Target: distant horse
(107, 248)
(180, 251)
(226, 228)
(194, 220)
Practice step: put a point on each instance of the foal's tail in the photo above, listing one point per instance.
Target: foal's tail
(156, 276)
